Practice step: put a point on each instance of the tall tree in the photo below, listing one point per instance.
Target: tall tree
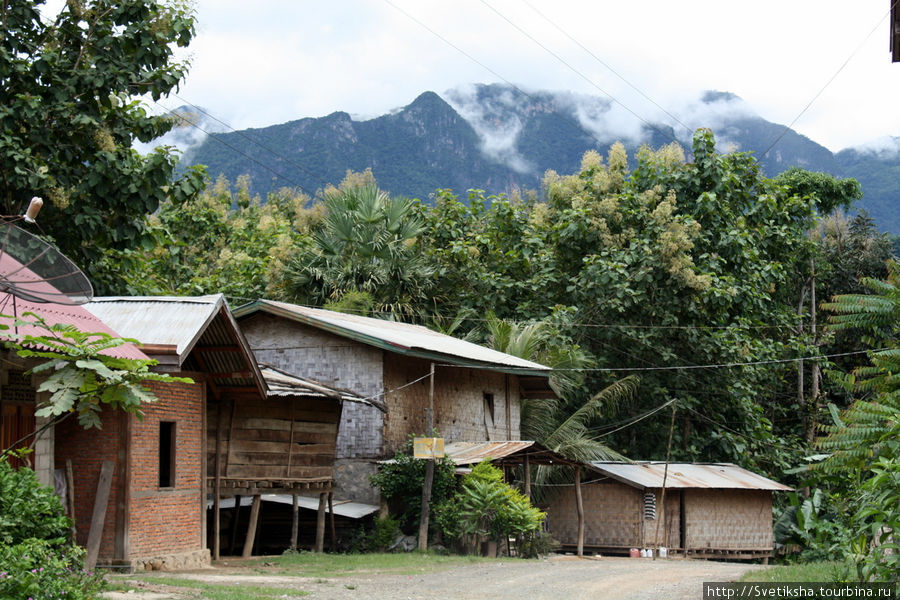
(69, 89)
(366, 242)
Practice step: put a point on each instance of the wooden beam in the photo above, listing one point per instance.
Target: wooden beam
(331, 521)
(95, 533)
(320, 523)
(230, 374)
(70, 488)
(527, 467)
(295, 521)
(217, 486)
(251, 527)
(579, 506)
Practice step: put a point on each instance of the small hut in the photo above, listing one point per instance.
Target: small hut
(711, 510)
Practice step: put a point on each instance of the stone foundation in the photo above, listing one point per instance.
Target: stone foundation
(351, 478)
(183, 561)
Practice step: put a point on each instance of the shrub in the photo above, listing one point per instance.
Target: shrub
(400, 483)
(37, 560)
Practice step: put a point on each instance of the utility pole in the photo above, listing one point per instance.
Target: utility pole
(429, 468)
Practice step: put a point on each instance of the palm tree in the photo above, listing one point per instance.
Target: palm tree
(559, 424)
(365, 243)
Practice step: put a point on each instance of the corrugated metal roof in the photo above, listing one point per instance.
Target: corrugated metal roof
(470, 453)
(282, 383)
(159, 320)
(342, 508)
(402, 338)
(687, 475)
(60, 314)
(201, 327)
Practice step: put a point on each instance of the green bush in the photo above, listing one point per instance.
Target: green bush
(41, 570)
(37, 560)
(28, 509)
(400, 483)
(485, 508)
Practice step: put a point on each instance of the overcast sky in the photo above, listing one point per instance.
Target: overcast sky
(269, 61)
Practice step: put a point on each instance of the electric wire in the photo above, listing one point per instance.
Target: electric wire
(604, 63)
(579, 73)
(829, 82)
(507, 81)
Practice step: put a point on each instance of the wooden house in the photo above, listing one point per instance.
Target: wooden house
(258, 429)
(709, 510)
(477, 391)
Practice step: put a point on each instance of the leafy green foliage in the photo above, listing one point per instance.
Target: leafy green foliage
(485, 507)
(224, 241)
(400, 483)
(69, 119)
(37, 560)
(813, 525)
(875, 546)
(367, 242)
(80, 377)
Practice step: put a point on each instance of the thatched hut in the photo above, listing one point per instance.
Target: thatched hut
(711, 510)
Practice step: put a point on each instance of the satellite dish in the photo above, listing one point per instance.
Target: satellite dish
(34, 270)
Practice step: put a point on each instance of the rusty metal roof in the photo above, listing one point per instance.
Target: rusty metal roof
(402, 338)
(469, 453)
(283, 384)
(687, 475)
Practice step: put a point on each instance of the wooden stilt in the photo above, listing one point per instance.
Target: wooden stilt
(251, 527)
(320, 523)
(70, 496)
(295, 521)
(580, 508)
(331, 521)
(217, 487)
(527, 468)
(232, 543)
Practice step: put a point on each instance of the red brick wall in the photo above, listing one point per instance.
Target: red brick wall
(167, 521)
(159, 521)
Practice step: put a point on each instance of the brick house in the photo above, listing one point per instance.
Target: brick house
(477, 391)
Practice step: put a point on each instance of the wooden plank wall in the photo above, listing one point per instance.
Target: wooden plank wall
(276, 439)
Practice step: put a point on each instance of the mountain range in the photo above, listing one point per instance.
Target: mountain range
(498, 137)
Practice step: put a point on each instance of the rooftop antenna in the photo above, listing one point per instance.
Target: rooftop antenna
(33, 269)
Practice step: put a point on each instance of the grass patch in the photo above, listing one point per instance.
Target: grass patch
(805, 572)
(311, 564)
(212, 591)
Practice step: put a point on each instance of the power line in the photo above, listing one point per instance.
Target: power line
(226, 144)
(683, 367)
(508, 82)
(605, 64)
(828, 83)
(577, 72)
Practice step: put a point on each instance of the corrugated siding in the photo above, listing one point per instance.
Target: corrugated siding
(687, 475)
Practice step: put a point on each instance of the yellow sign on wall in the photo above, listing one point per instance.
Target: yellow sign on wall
(428, 447)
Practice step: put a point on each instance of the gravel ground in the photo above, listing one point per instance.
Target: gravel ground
(556, 578)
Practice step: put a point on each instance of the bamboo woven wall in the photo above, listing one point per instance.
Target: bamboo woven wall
(614, 518)
(612, 514)
(728, 519)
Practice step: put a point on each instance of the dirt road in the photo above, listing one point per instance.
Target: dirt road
(557, 578)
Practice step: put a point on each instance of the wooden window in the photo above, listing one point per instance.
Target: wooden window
(166, 454)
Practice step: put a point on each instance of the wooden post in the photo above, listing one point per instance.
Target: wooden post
(331, 521)
(251, 526)
(527, 467)
(320, 523)
(295, 521)
(429, 469)
(99, 517)
(70, 486)
(579, 505)
(217, 485)
(234, 524)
